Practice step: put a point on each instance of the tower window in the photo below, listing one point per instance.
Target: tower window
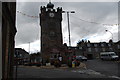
(52, 33)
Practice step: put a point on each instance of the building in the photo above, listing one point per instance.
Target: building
(51, 31)
(117, 48)
(35, 58)
(8, 35)
(21, 56)
(92, 50)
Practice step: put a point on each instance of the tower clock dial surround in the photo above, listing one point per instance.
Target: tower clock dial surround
(51, 14)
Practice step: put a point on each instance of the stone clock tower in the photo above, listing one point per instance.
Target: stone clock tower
(51, 31)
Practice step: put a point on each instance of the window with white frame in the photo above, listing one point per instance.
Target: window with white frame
(89, 49)
(102, 45)
(109, 44)
(80, 47)
(118, 46)
(88, 45)
(111, 49)
(95, 45)
(103, 49)
(96, 49)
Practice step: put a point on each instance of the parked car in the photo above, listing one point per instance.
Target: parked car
(81, 58)
(108, 56)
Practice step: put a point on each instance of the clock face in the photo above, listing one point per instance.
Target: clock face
(51, 14)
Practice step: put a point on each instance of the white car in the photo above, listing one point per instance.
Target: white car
(81, 58)
(108, 56)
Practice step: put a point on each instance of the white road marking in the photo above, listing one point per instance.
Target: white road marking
(89, 71)
(114, 77)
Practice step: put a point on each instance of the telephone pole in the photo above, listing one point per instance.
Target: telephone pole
(69, 24)
(29, 47)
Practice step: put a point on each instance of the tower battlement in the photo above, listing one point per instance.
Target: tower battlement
(47, 8)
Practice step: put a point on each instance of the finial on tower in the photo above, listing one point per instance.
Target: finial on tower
(50, 5)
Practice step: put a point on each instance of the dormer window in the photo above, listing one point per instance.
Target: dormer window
(118, 46)
(109, 45)
(88, 45)
(102, 45)
(95, 45)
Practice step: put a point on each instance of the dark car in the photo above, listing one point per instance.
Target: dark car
(81, 58)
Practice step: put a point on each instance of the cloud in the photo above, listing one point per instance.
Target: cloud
(100, 12)
(67, 0)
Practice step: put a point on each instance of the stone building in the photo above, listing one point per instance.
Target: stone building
(35, 58)
(21, 56)
(117, 48)
(8, 35)
(92, 50)
(51, 31)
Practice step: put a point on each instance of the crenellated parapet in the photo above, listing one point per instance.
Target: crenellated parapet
(45, 9)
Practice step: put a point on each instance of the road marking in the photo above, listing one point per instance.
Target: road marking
(88, 71)
(114, 77)
(117, 61)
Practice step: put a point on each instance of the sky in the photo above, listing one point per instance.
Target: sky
(89, 22)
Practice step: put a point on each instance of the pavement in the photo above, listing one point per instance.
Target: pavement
(63, 66)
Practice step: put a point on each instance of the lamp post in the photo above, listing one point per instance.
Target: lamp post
(110, 32)
(69, 24)
(29, 47)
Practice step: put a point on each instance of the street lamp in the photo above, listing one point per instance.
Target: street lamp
(29, 47)
(110, 32)
(69, 24)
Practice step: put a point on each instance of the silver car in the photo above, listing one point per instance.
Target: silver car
(81, 58)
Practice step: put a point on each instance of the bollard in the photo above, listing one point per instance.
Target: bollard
(73, 64)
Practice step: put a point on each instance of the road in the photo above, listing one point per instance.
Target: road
(95, 69)
(109, 68)
(36, 72)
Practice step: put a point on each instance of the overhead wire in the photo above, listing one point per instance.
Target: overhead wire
(27, 15)
(94, 22)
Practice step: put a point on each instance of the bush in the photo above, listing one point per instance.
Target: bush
(57, 63)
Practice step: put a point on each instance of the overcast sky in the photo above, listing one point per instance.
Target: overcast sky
(81, 26)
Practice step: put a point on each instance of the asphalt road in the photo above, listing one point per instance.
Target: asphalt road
(109, 68)
(36, 72)
(95, 69)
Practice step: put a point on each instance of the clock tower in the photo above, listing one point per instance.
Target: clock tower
(51, 31)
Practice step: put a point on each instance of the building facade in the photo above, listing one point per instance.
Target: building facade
(117, 48)
(21, 56)
(8, 35)
(35, 58)
(92, 50)
(51, 31)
